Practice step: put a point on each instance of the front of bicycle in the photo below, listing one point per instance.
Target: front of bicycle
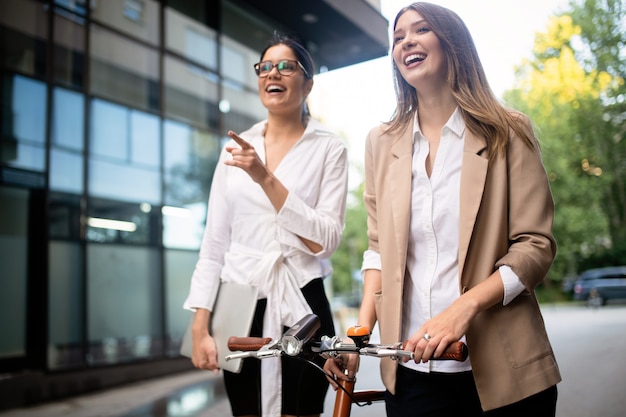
(298, 342)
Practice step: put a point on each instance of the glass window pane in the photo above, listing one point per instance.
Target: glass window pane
(190, 158)
(123, 70)
(125, 154)
(124, 182)
(183, 225)
(66, 153)
(238, 63)
(205, 12)
(179, 266)
(139, 18)
(109, 130)
(245, 109)
(124, 303)
(191, 94)
(64, 213)
(68, 119)
(23, 127)
(144, 139)
(191, 39)
(14, 262)
(66, 171)
(69, 50)
(77, 6)
(65, 310)
(23, 33)
(112, 221)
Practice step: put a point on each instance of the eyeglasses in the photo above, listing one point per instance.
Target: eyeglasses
(284, 67)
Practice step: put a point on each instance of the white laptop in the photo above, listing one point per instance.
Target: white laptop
(231, 316)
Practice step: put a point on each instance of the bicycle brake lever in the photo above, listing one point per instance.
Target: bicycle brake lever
(386, 352)
(259, 354)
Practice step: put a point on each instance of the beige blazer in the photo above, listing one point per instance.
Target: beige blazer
(506, 214)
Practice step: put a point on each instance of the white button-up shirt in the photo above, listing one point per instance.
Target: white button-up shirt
(432, 257)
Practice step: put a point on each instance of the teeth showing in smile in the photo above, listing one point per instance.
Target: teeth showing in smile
(414, 58)
(273, 88)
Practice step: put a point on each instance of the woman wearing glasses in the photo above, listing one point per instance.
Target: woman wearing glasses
(275, 216)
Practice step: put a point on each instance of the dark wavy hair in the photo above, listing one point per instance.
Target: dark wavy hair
(484, 114)
(302, 55)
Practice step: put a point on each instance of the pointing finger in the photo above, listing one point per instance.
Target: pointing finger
(240, 141)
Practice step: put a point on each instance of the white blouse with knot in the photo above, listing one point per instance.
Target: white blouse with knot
(247, 241)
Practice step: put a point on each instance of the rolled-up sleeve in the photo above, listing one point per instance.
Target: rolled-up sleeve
(322, 222)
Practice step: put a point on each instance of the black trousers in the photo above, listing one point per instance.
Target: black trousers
(304, 386)
(434, 394)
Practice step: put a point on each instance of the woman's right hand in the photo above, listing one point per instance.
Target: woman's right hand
(204, 353)
(342, 367)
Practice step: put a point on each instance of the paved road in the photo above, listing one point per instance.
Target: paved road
(589, 347)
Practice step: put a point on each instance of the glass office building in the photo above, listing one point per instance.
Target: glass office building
(112, 116)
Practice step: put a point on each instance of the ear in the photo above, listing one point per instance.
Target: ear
(308, 86)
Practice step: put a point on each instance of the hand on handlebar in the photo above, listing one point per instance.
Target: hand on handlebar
(342, 367)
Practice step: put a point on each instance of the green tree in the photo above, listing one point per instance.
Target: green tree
(603, 51)
(573, 101)
(347, 258)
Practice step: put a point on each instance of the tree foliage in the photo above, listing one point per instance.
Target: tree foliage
(347, 258)
(573, 89)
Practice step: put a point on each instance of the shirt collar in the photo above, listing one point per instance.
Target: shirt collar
(455, 124)
(313, 128)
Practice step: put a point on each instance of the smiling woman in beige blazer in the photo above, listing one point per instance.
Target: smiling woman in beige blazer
(460, 234)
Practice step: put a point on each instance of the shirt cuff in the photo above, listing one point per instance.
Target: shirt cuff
(371, 260)
(513, 286)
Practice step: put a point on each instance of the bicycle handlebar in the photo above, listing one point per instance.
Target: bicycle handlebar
(259, 347)
(299, 341)
(299, 336)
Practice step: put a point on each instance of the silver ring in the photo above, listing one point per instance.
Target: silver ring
(426, 336)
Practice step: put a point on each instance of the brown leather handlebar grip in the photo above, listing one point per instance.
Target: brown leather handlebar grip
(457, 351)
(247, 344)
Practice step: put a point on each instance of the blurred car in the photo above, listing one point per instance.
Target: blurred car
(601, 284)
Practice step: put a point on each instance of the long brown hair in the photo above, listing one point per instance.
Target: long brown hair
(484, 114)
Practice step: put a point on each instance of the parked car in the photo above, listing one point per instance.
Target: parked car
(601, 284)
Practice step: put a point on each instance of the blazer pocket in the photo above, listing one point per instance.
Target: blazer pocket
(523, 334)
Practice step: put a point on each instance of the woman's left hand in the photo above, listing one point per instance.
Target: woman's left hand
(432, 339)
(246, 158)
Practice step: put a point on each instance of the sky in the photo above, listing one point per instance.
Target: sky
(352, 100)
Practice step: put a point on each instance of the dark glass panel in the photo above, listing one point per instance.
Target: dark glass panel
(124, 71)
(23, 33)
(179, 266)
(124, 303)
(69, 50)
(111, 221)
(139, 18)
(23, 122)
(65, 298)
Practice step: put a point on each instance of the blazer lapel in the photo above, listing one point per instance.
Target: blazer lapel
(399, 181)
(473, 177)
